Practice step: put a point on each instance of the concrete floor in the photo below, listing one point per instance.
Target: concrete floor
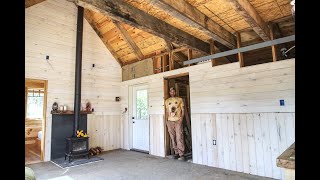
(122, 164)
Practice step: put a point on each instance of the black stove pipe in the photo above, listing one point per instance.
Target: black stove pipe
(77, 94)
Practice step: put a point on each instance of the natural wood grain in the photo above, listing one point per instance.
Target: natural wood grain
(248, 12)
(123, 12)
(29, 3)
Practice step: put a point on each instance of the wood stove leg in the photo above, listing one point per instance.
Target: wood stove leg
(88, 156)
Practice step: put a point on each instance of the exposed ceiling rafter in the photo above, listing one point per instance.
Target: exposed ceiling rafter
(88, 17)
(129, 40)
(251, 16)
(121, 11)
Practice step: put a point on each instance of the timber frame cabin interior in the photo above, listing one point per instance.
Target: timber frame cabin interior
(232, 62)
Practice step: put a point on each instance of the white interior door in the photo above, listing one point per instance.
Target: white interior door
(140, 118)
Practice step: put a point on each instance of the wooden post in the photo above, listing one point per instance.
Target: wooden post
(163, 63)
(240, 55)
(168, 147)
(171, 64)
(212, 51)
(274, 50)
(189, 55)
(157, 63)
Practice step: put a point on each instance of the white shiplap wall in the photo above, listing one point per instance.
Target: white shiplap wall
(50, 29)
(246, 142)
(227, 89)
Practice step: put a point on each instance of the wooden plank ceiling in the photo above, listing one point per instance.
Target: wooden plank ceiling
(133, 30)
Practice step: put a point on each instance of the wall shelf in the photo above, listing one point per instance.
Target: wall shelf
(72, 112)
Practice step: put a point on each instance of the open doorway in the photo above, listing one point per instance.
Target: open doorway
(181, 84)
(35, 115)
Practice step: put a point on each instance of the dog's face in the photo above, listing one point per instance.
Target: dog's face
(173, 105)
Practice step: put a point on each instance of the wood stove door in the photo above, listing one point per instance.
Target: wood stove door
(140, 118)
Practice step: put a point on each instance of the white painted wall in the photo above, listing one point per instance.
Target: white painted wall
(246, 142)
(50, 29)
(226, 89)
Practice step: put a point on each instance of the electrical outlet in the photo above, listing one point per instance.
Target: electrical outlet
(214, 142)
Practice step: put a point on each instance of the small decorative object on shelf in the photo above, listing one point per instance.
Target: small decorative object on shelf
(60, 108)
(81, 134)
(88, 106)
(55, 107)
(65, 108)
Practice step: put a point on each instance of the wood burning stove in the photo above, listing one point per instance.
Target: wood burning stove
(76, 147)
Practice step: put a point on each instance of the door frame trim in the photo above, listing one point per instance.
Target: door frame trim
(42, 155)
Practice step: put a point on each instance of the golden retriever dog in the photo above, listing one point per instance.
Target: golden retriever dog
(174, 107)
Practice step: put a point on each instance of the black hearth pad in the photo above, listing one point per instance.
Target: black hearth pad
(75, 162)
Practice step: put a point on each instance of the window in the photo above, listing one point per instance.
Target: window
(35, 104)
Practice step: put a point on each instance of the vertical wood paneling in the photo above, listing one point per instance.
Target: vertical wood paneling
(152, 135)
(225, 141)
(161, 136)
(274, 139)
(210, 128)
(195, 119)
(220, 143)
(215, 157)
(203, 155)
(156, 135)
(289, 128)
(267, 158)
(104, 131)
(244, 143)
(232, 151)
(281, 128)
(258, 144)
(237, 138)
(199, 139)
(252, 149)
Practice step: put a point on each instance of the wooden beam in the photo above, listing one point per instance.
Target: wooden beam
(222, 48)
(94, 25)
(251, 16)
(274, 50)
(212, 51)
(180, 56)
(189, 55)
(240, 55)
(29, 3)
(33, 84)
(182, 10)
(169, 45)
(129, 40)
(120, 11)
(151, 55)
